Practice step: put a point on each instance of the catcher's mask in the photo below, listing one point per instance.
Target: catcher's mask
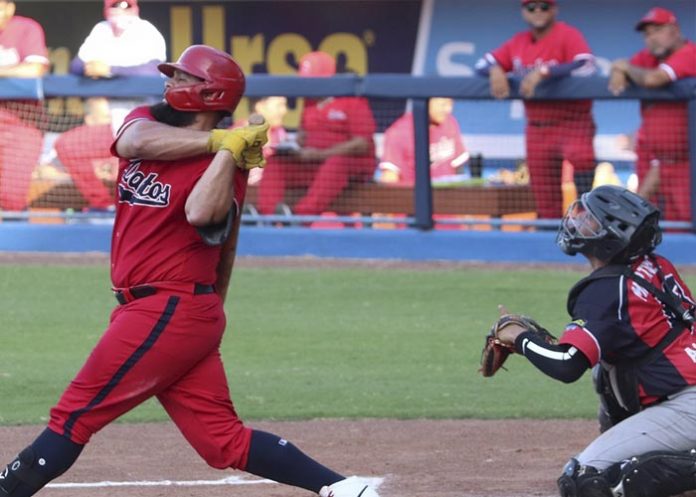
(610, 223)
(222, 84)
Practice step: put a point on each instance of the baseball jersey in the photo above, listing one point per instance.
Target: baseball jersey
(664, 126)
(336, 120)
(152, 241)
(447, 150)
(562, 44)
(616, 319)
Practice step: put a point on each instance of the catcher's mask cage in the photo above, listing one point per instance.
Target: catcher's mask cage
(222, 81)
(610, 223)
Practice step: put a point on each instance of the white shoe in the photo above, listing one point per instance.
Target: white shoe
(350, 487)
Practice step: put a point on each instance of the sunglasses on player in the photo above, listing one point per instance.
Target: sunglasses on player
(532, 6)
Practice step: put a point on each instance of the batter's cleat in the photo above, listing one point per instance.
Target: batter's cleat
(350, 487)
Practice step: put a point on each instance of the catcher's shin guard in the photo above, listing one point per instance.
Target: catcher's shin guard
(582, 481)
(658, 474)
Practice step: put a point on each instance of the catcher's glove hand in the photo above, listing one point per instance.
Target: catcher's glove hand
(500, 341)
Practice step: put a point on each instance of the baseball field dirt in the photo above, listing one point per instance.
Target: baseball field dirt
(406, 458)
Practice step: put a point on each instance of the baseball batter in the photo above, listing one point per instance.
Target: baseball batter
(180, 185)
(633, 320)
(556, 130)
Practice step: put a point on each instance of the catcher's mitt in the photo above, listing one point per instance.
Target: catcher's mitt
(496, 351)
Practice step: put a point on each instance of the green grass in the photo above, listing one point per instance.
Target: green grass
(305, 343)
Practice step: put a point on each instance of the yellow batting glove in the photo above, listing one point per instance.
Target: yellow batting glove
(238, 139)
(252, 157)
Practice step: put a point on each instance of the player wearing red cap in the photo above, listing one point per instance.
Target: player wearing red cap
(336, 146)
(662, 142)
(556, 130)
(180, 187)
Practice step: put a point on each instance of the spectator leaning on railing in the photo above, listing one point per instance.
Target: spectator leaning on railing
(23, 54)
(662, 143)
(556, 130)
(336, 146)
(447, 151)
(84, 151)
(122, 44)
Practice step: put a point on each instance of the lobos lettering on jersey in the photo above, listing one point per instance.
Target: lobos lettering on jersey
(139, 188)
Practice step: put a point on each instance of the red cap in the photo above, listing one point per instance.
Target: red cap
(317, 65)
(552, 2)
(656, 15)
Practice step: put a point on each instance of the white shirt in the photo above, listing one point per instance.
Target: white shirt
(139, 44)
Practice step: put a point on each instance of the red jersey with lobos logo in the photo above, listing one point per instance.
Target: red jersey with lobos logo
(522, 53)
(664, 127)
(617, 320)
(336, 120)
(152, 241)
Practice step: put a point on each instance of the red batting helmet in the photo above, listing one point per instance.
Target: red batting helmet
(222, 86)
(317, 65)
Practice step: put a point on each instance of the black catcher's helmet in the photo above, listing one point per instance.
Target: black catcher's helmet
(610, 223)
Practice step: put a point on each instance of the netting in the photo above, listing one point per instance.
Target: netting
(349, 157)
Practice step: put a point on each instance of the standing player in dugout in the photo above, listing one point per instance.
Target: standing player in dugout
(633, 321)
(180, 187)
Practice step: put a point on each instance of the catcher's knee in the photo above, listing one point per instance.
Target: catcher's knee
(583, 481)
(658, 474)
(21, 478)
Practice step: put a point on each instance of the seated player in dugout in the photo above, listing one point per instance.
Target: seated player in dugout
(556, 130)
(85, 153)
(447, 151)
(23, 54)
(633, 322)
(336, 146)
(180, 185)
(662, 145)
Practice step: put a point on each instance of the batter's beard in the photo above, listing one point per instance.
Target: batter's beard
(165, 113)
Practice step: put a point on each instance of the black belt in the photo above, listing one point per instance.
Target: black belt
(138, 292)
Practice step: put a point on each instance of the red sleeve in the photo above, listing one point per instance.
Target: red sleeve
(682, 62)
(361, 121)
(33, 42)
(135, 115)
(459, 147)
(574, 44)
(503, 54)
(580, 338)
(643, 59)
(398, 147)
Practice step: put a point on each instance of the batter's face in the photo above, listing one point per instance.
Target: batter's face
(181, 78)
(539, 15)
(439, 109)
(661, 40)
(7, 10)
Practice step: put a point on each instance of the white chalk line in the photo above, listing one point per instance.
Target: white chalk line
(374, 482)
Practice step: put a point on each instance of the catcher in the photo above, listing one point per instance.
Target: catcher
(632, 322)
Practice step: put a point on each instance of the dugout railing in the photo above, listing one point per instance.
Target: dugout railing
(385, 87)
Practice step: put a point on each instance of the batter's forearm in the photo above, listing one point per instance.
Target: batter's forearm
(156, 141)
(212, 196)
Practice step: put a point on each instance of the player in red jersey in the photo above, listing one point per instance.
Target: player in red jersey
(180, 186)
(556, 130)
(84, 151)
(336, 146)
(633, 315)
(447, 151)
(23, 54)
(662, 142)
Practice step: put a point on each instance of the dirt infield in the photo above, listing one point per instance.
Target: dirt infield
(416, 458)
